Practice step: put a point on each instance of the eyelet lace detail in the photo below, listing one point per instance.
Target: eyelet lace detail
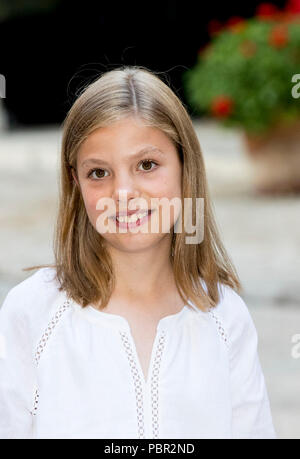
(221, 330)
(43, 341)
(137, 385)
(48, 332)
(154, 385)
(35, 405)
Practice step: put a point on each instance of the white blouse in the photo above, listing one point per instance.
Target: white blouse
(73, 372)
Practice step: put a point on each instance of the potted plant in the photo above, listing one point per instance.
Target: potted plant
(248, 76)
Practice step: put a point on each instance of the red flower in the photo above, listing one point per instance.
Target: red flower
(266, 11)
(222, 106)
(235, 20)
(236, 23)
(278, 37)
(293, 6)
(214, 27)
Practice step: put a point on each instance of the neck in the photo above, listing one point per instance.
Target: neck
(147, 274)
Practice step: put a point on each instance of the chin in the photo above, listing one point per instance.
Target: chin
(134, 242)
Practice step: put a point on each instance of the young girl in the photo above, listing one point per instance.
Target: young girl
(131, 334)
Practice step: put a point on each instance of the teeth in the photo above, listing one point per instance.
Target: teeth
(132, 219)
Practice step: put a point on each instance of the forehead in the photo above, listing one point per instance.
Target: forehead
(125, 138)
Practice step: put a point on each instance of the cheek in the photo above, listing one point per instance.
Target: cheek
(168, 184)
(90, 198)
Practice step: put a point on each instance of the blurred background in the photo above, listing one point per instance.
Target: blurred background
(236, 69)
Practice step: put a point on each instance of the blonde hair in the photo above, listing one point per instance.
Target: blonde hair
(83, 266)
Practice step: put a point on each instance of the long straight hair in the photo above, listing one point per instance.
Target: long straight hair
(83, 266)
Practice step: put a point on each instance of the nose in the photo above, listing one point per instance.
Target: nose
(124, 191)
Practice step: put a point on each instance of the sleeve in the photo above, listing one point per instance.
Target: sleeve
(251, 413)
(17, 375)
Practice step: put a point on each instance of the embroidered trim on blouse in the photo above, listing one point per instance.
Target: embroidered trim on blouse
(137, 384)
(48, 332)
(43, 341)
(154, 385)
(221, 329)
(35, 405)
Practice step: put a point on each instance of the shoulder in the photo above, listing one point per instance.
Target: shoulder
(231, 306)
(37, 288)
(234, 315)
(32, 302)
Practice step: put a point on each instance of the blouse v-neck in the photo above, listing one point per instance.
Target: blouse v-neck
(121, 323)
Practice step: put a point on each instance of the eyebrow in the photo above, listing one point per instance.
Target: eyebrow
(134, 156)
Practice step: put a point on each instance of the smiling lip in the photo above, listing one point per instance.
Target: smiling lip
(138, 222)
(130, 212)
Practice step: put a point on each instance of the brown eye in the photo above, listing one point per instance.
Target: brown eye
(99, 173)
(147, 162)
(96, 173)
